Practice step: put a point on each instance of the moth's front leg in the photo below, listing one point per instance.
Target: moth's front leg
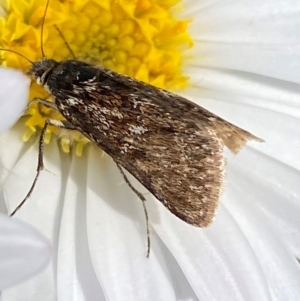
(45, 102)
(40, 166)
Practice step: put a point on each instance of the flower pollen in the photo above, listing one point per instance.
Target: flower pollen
(141, 39)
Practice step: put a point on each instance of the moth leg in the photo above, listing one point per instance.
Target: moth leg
(142, 198)
(44, 102)
(40, 166)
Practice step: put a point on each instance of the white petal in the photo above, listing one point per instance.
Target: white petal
(13, 96)
(76, 278)
(264, 200)
(23, 251)
(42, 209)
(274, 188)
(218, 261)
(251, 36)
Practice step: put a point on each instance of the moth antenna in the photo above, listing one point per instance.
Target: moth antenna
(65, 41)
(23, 56)
(42, 28)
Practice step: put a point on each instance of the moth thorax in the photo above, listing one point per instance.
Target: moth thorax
(41, 70)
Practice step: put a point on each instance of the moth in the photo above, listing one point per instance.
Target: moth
(169, 144)
(172, 146)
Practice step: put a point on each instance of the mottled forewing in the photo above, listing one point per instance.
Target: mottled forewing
(183, 169)
(172, 146)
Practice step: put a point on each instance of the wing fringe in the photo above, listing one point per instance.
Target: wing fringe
(232, 136)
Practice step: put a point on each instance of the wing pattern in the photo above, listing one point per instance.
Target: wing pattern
(169, 144)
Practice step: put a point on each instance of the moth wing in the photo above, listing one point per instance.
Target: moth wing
(171, 145)
(184, 171)
(233, 137)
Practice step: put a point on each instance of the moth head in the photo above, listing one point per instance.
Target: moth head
(41, 70)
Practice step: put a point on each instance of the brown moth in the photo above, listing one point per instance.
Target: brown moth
(169, 144)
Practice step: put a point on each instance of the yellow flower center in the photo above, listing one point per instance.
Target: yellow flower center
(140, 38)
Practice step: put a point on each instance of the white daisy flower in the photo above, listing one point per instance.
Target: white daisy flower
(244, 66)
